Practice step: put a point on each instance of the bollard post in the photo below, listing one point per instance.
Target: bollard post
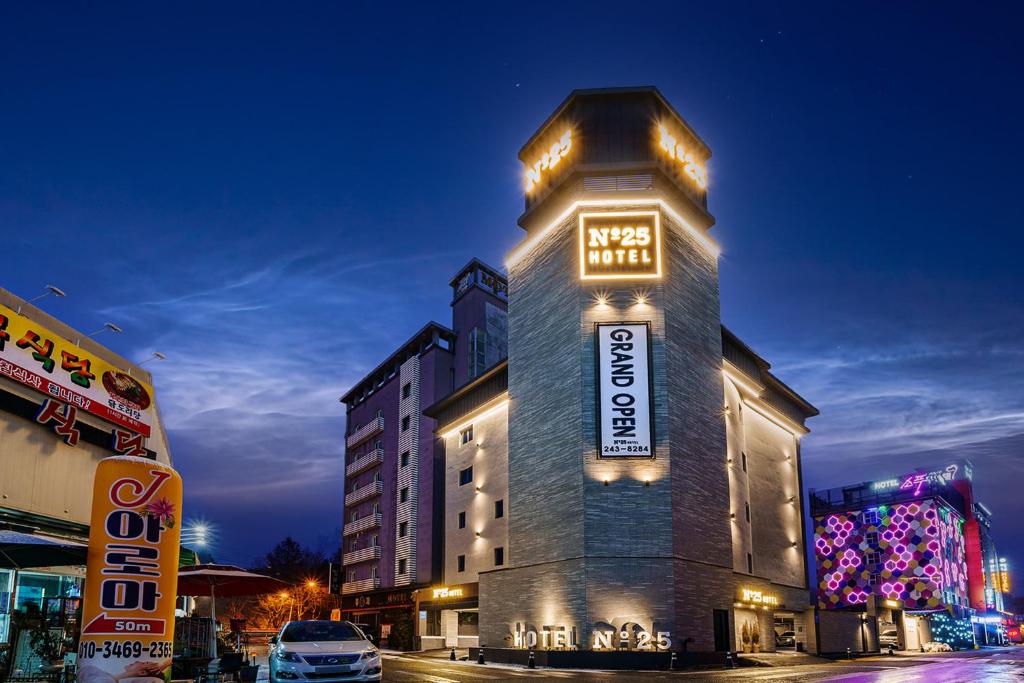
(672, 662)
(480, 656)
(452, 655)
(531, 663)
(729, 664)
(849, 653)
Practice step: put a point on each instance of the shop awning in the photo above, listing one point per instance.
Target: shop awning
(22, 551)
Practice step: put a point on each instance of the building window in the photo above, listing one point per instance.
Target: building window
(351, 577)
(872, 537)
(750, 563)
(352, 545)
(747, 510)
(403, 529)
(874, 559)
(870, 518)
(499, 509)
(403, 495)
(462, 520)
(477, 352)
(499, 557)
(466, 435)
(405, 459)
(873, 579)
(466, 476)
(401, 567)
(378, 444)
(380, 412)
(377, 476)
(405, 423)
(407, 390)
(462, 563)
(376, 541)
(373, 572)
(743, 460)
(376, 508)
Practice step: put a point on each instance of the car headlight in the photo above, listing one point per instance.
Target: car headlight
(371, 653)
(285, 656)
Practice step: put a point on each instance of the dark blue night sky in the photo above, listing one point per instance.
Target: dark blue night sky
(274, 195)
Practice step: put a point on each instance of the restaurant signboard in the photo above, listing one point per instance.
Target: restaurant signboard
(72, 378)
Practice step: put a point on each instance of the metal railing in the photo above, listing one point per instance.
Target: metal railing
(365, 524)
(365, 462)
(369, 429)
(374, 488)
(362, 555)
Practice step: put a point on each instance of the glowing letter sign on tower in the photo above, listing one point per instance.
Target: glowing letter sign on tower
(624, 396)
(620, 245)
(132, 577)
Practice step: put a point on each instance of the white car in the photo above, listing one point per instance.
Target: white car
(889, 637)
(323, 651)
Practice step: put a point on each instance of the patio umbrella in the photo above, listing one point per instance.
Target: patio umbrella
(226, 581)
(22, 551)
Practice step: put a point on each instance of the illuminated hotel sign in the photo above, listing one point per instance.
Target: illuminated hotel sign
(620, 245)
(756, 597)
(916, 482)
(626, 426)
(548, 160)
(683, 157)
(443, 593)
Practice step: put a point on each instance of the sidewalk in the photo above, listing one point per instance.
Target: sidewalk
(780, 658)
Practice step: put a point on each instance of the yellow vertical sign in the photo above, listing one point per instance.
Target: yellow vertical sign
(132, 573)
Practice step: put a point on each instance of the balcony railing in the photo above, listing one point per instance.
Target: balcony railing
(362, 555)
(374, 488)
(364, 462)
(372, 428)
(364, 524)
(360, 586)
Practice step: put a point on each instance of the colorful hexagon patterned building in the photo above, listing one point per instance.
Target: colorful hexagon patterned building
(912, 552)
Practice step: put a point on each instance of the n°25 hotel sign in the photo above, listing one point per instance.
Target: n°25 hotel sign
(32, 355)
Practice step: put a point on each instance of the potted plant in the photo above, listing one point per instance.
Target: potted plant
(745, 636)
(755, 637)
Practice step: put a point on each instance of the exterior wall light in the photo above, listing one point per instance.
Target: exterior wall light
(794, 544)
(641, 298)
(647, 482)
(478, 534)
(792, 499)
(479, 489)
(605, 482)
(732, 515)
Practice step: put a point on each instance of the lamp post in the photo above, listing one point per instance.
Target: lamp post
(50, 290)
(107, 327)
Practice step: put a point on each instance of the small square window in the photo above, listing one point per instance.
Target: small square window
(405, 423)
(750, 563)
(378, 444)
(874, 559)
(870, 517)
(401, 567)
(499, 509)
(405, 459)
(743, 459)
(375, 541)
(403, 529)
(873, 579)
(466, 435)
(351, 577)
(499, 557)
(403, 495)
(872, 538)
(747, 509)
(407, 390)
(466, 476)
(462, 563)
(462, 520)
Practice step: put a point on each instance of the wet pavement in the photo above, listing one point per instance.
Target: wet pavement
(990, 664)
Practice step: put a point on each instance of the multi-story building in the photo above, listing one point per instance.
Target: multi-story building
(630, 480)
(66, 402)
(392, 531)
(913, 554)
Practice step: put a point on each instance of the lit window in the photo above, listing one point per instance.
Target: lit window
(466, 435)
(466, 476)
(462, 520)
(462, 563)
(499, 557)
(499, 509)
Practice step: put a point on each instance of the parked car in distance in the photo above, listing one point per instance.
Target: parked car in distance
(327, 651)
(785, 639)
(889, 637)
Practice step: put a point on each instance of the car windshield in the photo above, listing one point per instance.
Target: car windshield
(310, 631)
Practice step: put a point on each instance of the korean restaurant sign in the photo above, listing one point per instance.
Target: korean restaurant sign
(625, 421)
(132, 577)
(70, 376)
(620, 245)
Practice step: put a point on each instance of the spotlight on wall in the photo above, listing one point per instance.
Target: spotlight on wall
(732, 515)
(605, 482)
(792, 499)
(479, 443)
(478, 534)
(479, 489)
(647, 482)
(641, 298)
(794, 544)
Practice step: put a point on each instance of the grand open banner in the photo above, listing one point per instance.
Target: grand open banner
(625, 426)
(35, 356)
(132, 577)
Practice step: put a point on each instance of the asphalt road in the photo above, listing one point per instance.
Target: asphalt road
(991, 665)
